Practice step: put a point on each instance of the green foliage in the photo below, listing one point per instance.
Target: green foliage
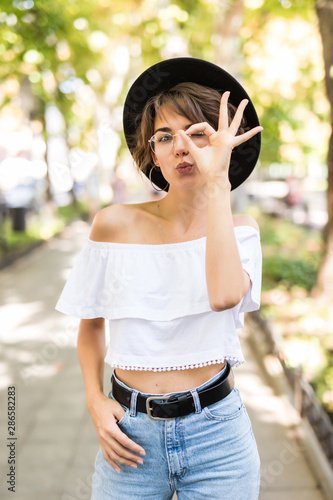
(284, 72)
(323, 383)
(12, 240)
(284, 238)
(291, 253)
(48, 47)
(288, 271)
(39, 228)
(39, 41)
(285, 8)
(291, 258)
(69, 212)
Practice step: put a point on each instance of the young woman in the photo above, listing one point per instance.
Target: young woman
(174, 278)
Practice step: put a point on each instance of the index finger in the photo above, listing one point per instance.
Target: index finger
(187, 141)
(124, 440)
(200, 127)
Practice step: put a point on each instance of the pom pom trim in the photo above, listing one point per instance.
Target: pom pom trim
(234, 362)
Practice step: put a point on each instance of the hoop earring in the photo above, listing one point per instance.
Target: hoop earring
(149, 176)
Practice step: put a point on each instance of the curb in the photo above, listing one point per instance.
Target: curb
(307, 438)
(8, 260)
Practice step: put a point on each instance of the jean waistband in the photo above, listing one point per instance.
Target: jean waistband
(202, 386)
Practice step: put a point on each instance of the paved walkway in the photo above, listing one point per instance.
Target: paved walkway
(56, 441)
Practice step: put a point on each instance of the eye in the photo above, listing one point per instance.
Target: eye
(197, 134)
(164, 138)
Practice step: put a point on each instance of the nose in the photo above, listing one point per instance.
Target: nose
(179, 147)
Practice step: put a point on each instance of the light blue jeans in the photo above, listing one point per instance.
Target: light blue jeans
(211, 453)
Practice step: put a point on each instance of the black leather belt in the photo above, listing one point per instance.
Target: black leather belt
(163, 407)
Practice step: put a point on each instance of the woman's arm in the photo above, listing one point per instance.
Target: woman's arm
(91, 352)
(227, 282)
(105, 412)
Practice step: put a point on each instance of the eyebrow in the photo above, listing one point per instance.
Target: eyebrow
(168, 129)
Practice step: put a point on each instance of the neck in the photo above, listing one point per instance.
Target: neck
(185, 210)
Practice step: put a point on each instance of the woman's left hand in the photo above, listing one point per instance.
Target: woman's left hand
(213, 160)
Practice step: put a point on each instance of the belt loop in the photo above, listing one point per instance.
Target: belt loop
(134, 397)
(196, 400)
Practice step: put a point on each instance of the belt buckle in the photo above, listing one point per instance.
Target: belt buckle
(150, 410)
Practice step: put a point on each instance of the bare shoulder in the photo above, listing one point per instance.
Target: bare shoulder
(245, 220)
(109, 222)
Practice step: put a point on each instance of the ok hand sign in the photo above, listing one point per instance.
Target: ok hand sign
(213, 160)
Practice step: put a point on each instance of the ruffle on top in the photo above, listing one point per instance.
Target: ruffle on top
(153, 282)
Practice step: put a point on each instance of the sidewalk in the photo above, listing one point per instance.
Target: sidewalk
(56, 440)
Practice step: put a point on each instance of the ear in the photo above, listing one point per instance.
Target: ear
(155, 160)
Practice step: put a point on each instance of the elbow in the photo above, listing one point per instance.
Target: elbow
(227, 299)
(225, 303)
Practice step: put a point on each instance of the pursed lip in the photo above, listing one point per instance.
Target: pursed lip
(183, 165)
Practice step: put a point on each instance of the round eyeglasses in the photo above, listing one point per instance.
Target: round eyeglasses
(162, 143)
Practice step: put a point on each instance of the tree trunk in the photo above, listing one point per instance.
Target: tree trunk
(324, 286)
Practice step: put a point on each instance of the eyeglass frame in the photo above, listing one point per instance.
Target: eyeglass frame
(173, 142)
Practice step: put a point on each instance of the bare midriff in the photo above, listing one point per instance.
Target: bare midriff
(167, 381)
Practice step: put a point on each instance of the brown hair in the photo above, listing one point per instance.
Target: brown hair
(191, 100)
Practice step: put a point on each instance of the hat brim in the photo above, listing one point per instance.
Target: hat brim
(165, 75)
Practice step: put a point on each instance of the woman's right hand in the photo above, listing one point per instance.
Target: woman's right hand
(115, 445)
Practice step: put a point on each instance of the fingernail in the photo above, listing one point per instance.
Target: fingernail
(140, 461)
(142, 452)
(134, 466)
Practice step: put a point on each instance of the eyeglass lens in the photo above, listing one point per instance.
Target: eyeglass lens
(162, 143)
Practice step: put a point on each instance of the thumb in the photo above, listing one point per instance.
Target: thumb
(118, 411)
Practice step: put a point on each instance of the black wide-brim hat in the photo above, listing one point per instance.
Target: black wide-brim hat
(165, 75)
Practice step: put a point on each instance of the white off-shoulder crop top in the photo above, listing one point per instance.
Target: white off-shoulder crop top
(155, 298)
